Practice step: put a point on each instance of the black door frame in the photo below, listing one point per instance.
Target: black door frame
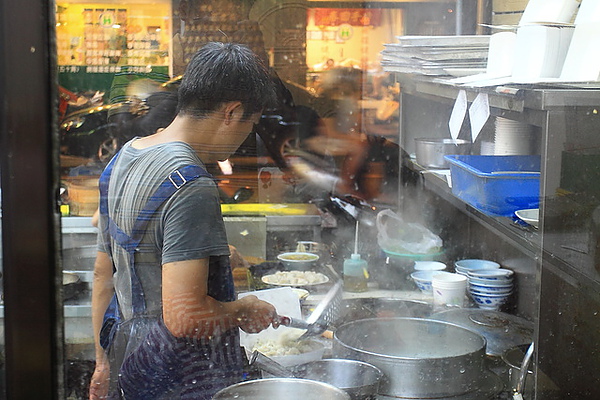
(30, 219)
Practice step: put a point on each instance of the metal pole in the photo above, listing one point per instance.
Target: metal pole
(459, 17)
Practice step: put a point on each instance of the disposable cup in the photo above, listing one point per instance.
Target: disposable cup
(449, 289)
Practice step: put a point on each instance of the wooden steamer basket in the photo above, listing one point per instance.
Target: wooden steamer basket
(84, 195)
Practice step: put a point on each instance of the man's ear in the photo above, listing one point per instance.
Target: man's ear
(231, 110)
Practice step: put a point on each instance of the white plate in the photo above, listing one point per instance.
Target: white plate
(295, 278)
(530, 215)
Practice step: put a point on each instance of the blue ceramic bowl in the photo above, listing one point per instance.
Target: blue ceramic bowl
(490, 289)
(490, 301)
(423, 280)
(490, 282)
(491, 274)
(465, 266)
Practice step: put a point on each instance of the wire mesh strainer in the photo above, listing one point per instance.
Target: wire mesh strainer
(323, 315)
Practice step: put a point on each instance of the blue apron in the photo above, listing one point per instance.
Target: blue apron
(149, 362)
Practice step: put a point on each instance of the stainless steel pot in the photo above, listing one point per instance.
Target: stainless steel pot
(513, 358)
(359, 379)
(72, 285)
(502, 331)
(281, 388)
(430, 152)
(420, 358)
(380, 307)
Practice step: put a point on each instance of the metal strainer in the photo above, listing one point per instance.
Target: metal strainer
(323, 315)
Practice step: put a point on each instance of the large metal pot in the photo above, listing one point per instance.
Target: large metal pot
(502, 331)
(430, 152)
(420, 358)
(359, 379)
(380, 307)
(281, 388)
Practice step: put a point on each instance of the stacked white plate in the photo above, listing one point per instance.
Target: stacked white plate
(512, 137)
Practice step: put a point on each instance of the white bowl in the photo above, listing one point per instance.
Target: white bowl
(423, 280)
(490, 282)
(530, 215)
(298, 260)
(472, 264)
(490, 301)
(429, 266)
(490, 289)
(492, 274)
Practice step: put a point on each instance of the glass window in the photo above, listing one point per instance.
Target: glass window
(422, 186)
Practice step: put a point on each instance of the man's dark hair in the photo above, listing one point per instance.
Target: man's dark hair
(224, 72)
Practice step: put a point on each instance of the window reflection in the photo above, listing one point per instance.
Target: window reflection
(336, 149)
(327, 151)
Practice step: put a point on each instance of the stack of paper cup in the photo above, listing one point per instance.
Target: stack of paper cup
(449, 289)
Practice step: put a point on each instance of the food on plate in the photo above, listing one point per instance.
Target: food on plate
(295, 278)
(299, 256)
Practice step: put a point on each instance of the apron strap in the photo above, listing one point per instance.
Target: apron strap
(171, 184)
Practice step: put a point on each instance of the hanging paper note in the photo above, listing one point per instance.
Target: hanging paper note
(479, 114)
(458, 114)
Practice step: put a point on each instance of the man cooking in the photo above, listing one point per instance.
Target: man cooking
(178, 337)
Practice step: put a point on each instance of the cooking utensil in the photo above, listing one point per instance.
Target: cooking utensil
(270, 366)
(513, 358)
(281, 388)
(421, 358)
(359, 379)
(323, 315)
(72, 285)
(430, 152)
(518, 392)
(502, 331)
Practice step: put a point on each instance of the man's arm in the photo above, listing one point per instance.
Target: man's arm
(188, 310)
(102, 291)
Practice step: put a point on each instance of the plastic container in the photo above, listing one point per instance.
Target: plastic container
(449, 289)
(355, 274)
(496, 185)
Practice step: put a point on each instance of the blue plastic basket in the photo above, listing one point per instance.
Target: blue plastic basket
(496, 185)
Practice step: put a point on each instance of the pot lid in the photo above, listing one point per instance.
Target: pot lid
(502, 331)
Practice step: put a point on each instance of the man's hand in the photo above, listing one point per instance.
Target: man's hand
(256, 315)
(100, 382)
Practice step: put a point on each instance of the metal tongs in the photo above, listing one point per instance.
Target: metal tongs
(321, 317)
(518, 391)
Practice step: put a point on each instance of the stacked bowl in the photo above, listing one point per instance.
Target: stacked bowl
(490, 286)
(423, 274)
